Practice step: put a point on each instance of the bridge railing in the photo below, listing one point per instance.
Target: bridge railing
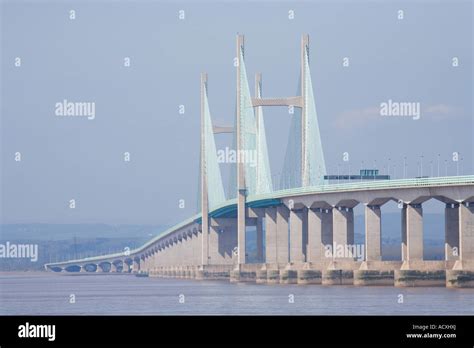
(368, 185)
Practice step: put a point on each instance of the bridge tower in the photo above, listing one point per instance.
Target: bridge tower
(203, 174)
(241, 188)
(313, 167)
(211, 188)
(250, 135)
(304, 117)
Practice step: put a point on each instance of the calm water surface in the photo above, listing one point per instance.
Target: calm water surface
(49, 294)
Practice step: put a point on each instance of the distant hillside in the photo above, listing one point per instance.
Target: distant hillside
(57, 242)
(69, 231)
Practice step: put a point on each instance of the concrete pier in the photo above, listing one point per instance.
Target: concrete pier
(261, 276)
(136, 265)
(315, 248)
(337, 277)
(273, 276)
(282, 235)
(414, 231)
(260, 251)
(373, 236)
(466, 238)
(288, 276)
(271, 235)
(245, 273)
(343, 231)
(309, 276)
(459, 279)
(411, 278)
(373, 277)
(451, 216)
(297, 254)
(214, 272)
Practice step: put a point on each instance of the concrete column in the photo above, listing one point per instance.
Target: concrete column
(260, 257)
(404, 233)
(466, 231)
(216, 250)
(176, 258)
(414, 232)
(315, 251)
(125, 267)
(175, 252)
(151, 263)
(164, 258)
(304, 219)
(343, 231)
(190, 245)
(197, 247)
(296, 237)
(327, 229)
(451, 232)
(241, 187)
(271, 235)
(113, 268)
(145, 263)
(171, 254)
(241, 226)
(186, 251)
(222, 241)
(179, 252)
(171, 249)
(282, 234)
(204, 237)
(231, 240)
(373, 229)
(157, 259)
(136, 265)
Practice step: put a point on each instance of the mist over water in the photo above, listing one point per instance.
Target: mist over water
(50, 294)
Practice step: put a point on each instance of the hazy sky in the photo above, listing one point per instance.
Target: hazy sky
(81, 60)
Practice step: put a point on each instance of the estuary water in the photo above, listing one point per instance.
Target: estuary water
(117, 294)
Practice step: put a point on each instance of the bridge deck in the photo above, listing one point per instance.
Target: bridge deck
(273, 198)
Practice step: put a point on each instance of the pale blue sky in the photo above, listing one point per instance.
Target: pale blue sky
(137, 107)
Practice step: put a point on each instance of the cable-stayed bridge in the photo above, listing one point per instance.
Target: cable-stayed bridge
(305, 229)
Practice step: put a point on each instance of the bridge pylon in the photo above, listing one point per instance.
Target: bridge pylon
(250, 135)
(211, 188)
(241, 187)
(204, 187)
